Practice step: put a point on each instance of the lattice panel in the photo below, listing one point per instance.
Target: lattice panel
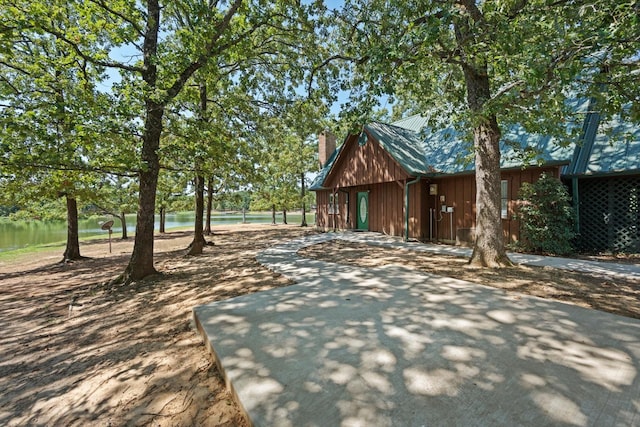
(610, 214)
(594, 214)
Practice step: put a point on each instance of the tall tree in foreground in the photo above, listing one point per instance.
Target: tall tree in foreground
(253, 33)
(484, 65)
(52, 120)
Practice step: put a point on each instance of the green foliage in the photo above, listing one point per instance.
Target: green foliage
(233, 201)
(59, 132)
(256, 59)
(47, 210)
(546, 217)
(287, 154)
(7, 210)
(535, 54)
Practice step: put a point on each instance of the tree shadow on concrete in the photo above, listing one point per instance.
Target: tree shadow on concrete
(391, 346)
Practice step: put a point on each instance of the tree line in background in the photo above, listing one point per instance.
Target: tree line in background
(483, 66)
(125, 104)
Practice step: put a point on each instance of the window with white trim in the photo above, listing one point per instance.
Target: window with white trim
(334, 201)
(504, 199)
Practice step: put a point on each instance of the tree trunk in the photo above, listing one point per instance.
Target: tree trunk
(302, 192)
(141, 262)
(163, 216)
(489, 249)
(123, 221)
(273, 214)
(284, 216)
(72, 251)
(195, 248)
(207, 228)
(304, 215)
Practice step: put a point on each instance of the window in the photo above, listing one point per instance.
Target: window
(334, 200)
(504, 199)
(346, 204)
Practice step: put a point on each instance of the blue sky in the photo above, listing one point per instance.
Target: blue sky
(130, 55)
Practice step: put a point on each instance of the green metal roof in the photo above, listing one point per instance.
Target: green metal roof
(318, 182)
(608, 147)
(611, 146)
(405, 146)
(413, 123)
(450, 152)
(616, 148)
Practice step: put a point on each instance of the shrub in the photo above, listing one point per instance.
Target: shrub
(546, 217)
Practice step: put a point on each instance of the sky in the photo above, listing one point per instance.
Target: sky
(130, 55)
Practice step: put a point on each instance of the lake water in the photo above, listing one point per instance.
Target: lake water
(20, 234)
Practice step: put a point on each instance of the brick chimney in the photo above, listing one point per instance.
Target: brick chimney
(326, 147)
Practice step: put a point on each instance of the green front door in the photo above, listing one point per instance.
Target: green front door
(363, 210)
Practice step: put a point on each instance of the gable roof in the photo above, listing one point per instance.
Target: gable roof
(609, 147)
(405, 146)
(324, 172)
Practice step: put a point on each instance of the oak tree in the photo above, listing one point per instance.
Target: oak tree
(485, 65)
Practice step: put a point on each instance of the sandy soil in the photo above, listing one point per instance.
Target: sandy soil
(77, 352)
(123, 355)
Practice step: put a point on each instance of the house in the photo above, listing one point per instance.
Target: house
(399, 180)
(604, 180)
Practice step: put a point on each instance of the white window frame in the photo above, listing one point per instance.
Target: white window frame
(504, 199)
(334, 204)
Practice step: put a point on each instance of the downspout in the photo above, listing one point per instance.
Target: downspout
(335, 213)
(406, 206)
(576, 203)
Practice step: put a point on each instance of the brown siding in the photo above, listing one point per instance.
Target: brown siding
(386, 207)
(418, 211)
(370, 168)
(322, 200)
(340, 221)
(459, 192)
(510, 226)
(363, 165)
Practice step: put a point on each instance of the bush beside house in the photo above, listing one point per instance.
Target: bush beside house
(546, 217)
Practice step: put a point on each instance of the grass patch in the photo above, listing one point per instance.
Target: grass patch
(16, 254)
(20, 253)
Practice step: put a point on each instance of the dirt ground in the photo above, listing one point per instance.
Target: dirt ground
(123, 355)
(77, 352)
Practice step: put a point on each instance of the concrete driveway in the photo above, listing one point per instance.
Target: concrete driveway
(390, 346)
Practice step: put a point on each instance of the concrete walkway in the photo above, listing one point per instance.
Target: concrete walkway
(595, 267)
(390, 346)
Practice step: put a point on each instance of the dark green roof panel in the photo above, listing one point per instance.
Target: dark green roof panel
(318, 182)
(403, 145)
(605, 147)
(616, 148)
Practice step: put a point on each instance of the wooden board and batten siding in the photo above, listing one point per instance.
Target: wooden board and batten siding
(368, 167)
(363, 164)
(459, 192)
